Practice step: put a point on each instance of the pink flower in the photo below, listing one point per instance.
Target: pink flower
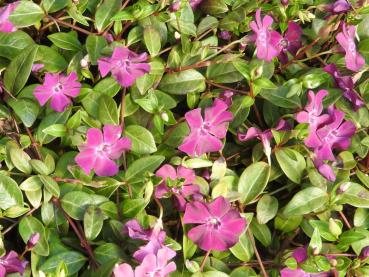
(346, 84)
(33, 240)
(101, 149)
(125, 66)
(206, 133)
(220, 225)
(6, 26)
(312, 114)
(291, 41)
(154, 236)
(324, 169)
(11, 263)
(59, 88)
(152, 265)
(335, 135)
(346, 38)
(267, 41)
(339, 6)
(179, 183)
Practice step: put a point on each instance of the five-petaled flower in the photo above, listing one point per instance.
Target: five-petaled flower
(59, 88)
(101, 149)
(155, 265)
(206, 134)
(178, 182)
(125, 66)
(339, 6)
(346, 38)
(11, 263)
(219, 224)
(267, 41)
(291, 41)
(6, 26)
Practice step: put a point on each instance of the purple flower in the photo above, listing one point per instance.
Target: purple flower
(11, 263)
(346, 38)
(152, 265)
(125, 66)
(226, 96)
(6, 26)
(313, 114)
(206, 134)
(179, 183)
(154, 236)
(101, 149)
(219, 225)
(33, 240)
(225, 35)
(346, 84)
(334, 135)
(59, 88)
(291, 41)
(267, 41)
(324, 169)
(340, 6)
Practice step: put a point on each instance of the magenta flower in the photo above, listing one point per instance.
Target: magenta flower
(206, 134)
(267, 41)
(324, 169)
(11, 263)
(346, 84)
(220, 225)
(291, 41)
(59, 88)
(101, 149)
(154, 236)
(6, 26)
(225, 35)
(152, 265)
(313, 114)
(335, 135)
(179, 183)
(339, 6)
(125, 66)
(346, 38)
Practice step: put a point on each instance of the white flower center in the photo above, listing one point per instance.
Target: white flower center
(58, 88)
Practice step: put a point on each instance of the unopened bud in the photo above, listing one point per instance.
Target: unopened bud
(175, 6)
(177, 35)
(258, 72)
(33, 240)
(284, 2)
(334, 228)
(343, 187)
(333, 262)
(85, 61)
(364, 253)
(315, 251)
(164, 116)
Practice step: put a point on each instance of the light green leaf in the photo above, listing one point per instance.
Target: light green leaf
(142, 140)
(10, 194)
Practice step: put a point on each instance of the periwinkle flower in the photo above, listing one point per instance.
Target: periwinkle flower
(102, 149)
(291, 41)
(206, 134)
(178, 182)
(354, 60)
(125, 66)
(58, 88)
(346, 84)
(339, 6)
(155, 238)
(11, 263)
(152, 265)
(6, 26)
(267, 40)
(219, 225)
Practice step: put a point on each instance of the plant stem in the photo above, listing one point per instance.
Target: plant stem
(347, 223)
(61, 22)
(7, 230)
(204, 260)
(262, 268)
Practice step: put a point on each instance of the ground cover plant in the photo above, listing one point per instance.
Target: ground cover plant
(184, 138)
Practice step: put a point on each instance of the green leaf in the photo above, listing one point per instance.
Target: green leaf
(94, 45)
(26, 109)
(75, 203)
(30, 225)
(10, 194)
(20, 159)
(278, 97)
(142, 140)
(11, 44)
(108, 111)
(72, 259)
(243, 249)
(137, 170)
(306, 201)
(40, 167)
(26, 14)
(51, 185)
(107, 252)
(253, 180)
(54, 5)
(183, 82)
(56, 130)
(18, 71)
(131, 207)
(93, 221)
(355, 195)
(51, 59)
(261, 233)
(316, 242)
(266, 208)
(292, 163)
(32, 183)
(223, 73)
(105, 12)
(214, 7)
(152, 40)
(66, 41)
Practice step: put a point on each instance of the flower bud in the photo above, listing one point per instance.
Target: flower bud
(364, 253)
(334, 228)
(333, 262)
(315, 251)
(32, 241)
(164, 116)
(284, 3)
(177, 35)
(175, 6)
(85, 61)
(342, 188)
(225, 35)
